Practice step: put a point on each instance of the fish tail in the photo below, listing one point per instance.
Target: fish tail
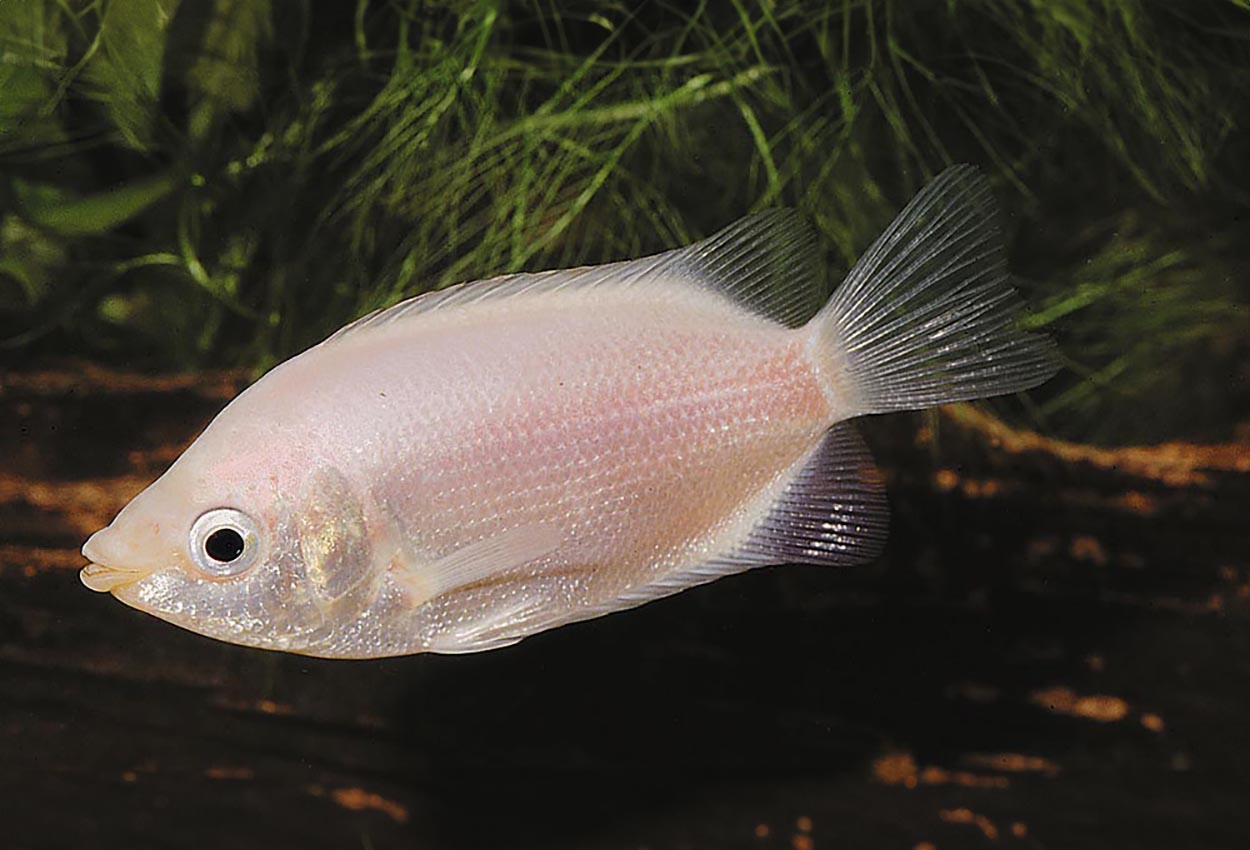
(928, 315)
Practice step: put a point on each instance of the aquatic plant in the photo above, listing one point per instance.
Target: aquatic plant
(224, 183)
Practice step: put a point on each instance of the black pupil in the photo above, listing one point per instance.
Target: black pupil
(224, 544)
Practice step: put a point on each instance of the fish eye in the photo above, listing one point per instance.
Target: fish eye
(224, 542)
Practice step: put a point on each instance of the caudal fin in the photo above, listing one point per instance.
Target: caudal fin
(927, 315)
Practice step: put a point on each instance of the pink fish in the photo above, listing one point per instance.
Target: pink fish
(482, 463)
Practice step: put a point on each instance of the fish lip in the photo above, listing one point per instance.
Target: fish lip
(105, 579)
(101, 576)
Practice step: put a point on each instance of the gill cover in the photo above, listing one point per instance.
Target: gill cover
(332, 539)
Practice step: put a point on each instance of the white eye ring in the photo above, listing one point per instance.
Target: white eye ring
(224, 542)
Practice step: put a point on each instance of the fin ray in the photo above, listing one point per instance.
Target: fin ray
(484, 560)
(928, 315)
(768, 262)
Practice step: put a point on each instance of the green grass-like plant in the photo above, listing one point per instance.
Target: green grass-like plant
(194, 183)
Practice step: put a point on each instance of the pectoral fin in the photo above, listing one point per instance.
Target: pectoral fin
(486, 560)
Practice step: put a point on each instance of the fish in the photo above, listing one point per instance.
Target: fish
(485, 462)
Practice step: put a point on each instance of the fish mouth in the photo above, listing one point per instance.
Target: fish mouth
(101, 576)
(106, 579)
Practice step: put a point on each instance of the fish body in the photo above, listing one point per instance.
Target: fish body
(479, 464)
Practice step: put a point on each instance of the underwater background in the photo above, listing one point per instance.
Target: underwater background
(1055, 650)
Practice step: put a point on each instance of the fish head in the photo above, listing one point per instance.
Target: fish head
(244, 539)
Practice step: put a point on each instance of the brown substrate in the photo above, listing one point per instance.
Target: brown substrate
(1054, 652)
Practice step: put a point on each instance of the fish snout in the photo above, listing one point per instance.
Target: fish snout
(109, 568)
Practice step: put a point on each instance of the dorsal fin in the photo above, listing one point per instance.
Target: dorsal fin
(768, 262)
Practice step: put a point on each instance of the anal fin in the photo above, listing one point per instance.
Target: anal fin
(832, 511)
